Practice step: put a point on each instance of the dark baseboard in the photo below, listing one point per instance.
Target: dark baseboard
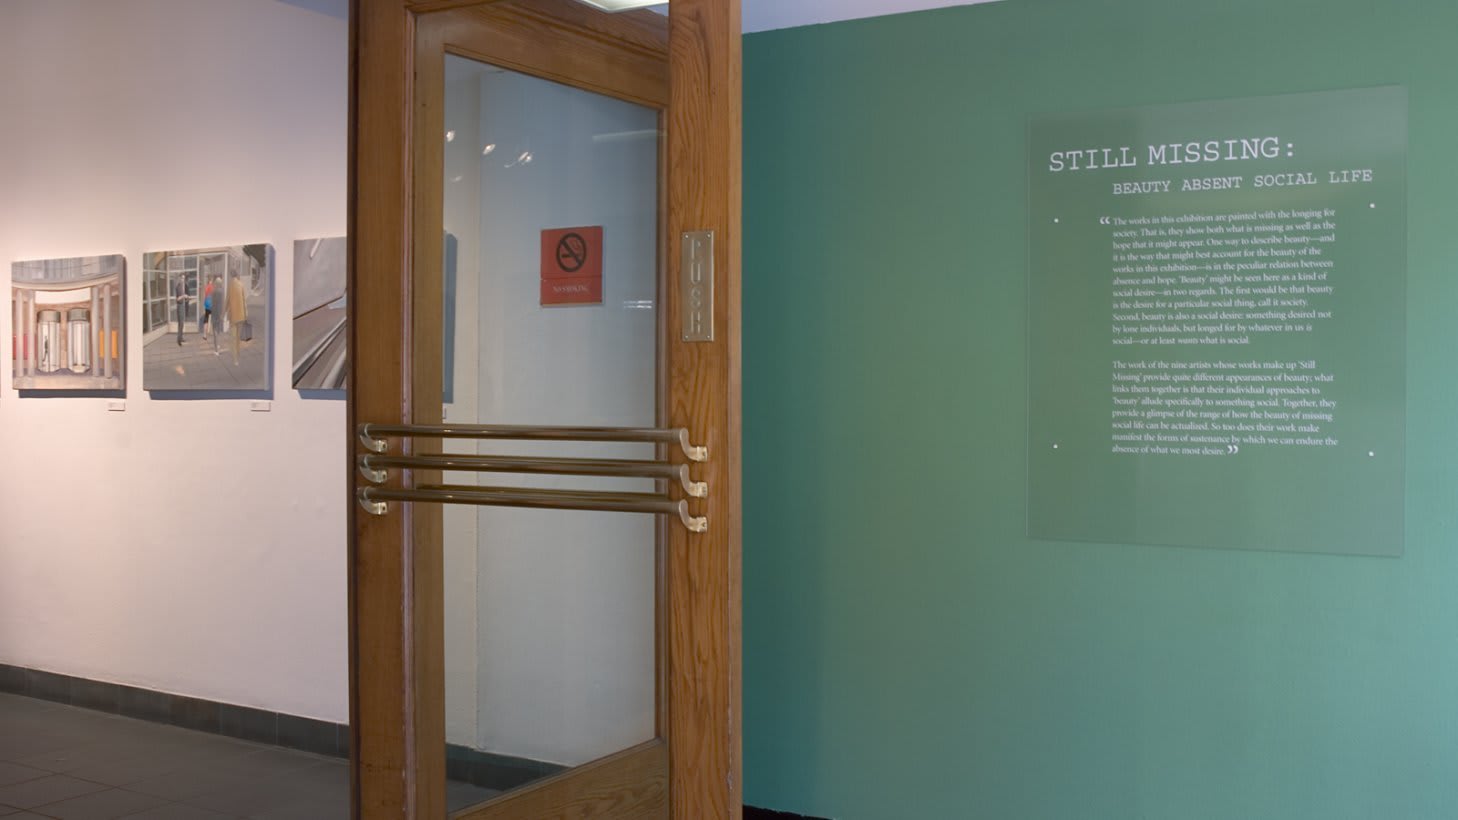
(752, 813)
(242, 722)
(493, 771)
(321, 737)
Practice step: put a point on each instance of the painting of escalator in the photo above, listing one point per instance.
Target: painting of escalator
(321, 343)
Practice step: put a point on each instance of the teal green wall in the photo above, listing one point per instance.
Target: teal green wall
(909, 652)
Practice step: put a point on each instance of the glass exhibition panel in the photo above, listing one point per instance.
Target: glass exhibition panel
(1217, 335)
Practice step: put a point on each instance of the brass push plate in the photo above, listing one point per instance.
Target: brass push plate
(696, 286)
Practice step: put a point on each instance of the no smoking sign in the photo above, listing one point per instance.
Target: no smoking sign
(572, 266)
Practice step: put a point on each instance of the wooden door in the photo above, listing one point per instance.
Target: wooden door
(686, 68)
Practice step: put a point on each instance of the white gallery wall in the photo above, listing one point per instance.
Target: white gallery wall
(193, 547)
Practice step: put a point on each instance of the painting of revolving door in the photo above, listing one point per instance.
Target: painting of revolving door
(69, 324)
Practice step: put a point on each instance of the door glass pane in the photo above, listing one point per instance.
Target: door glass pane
(551, 215)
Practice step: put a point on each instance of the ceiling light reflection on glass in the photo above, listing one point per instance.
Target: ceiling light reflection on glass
(622, 5)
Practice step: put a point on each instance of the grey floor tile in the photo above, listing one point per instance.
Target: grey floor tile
(319, 793)
(236, 774)
(125, 765)
(11, 773)
(309, 809)
(65, 759)
(105, 805)
(27, 736)
(178, 811)
(187, 782)
(250, 799)
(61, 761)
(12, 704)
(463, 795)
(126, 772)
(329, 781)
(258, 794)
(32, 793)
(327, 769)
(21, 742)
(275, 761)
(16, 746)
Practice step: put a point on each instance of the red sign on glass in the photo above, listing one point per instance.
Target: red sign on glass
(572, 266)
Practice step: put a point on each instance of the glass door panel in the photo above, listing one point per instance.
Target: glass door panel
(551, 318)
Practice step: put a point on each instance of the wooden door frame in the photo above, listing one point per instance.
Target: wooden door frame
(396, 635)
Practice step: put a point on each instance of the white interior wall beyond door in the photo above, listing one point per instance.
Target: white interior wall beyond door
(194, 547)
(462, 216)
(564, 632)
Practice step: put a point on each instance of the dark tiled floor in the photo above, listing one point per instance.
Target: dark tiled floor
(63, 762)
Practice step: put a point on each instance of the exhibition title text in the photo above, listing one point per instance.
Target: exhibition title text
(1173, 153)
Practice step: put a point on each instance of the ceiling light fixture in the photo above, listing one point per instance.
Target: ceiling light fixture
(622, 5)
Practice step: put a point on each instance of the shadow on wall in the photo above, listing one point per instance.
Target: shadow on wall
(333, 8)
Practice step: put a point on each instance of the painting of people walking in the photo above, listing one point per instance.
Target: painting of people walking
(206, 319)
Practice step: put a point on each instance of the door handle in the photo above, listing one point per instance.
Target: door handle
(370, 435)
(374, 499)
(374, 466)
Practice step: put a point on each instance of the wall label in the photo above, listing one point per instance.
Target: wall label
(1217, 327)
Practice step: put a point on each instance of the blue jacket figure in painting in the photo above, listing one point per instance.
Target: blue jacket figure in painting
(215, 321)
(180, 293)
(206, 318)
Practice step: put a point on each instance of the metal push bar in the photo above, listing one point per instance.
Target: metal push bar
(371, 435)
(375, 464)
(374, 467)
(373, 499)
